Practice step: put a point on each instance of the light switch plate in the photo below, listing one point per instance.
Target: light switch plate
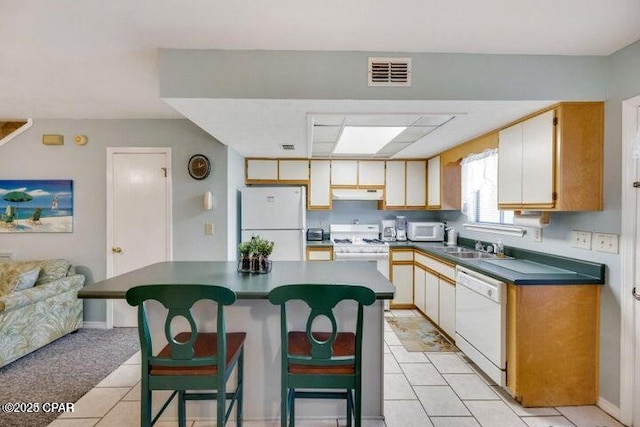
(606, 243)
(581, 239)
(208, 228)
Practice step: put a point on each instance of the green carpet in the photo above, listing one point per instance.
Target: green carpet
(418, 334)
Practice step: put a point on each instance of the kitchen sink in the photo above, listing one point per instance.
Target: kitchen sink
(472, 255)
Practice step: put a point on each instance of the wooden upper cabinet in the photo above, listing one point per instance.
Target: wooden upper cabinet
(293, 170)
(395, 185)
(319, 194)
(371, 173)
(261, 170)
(416, 182)
(344, 173)
(554, 160)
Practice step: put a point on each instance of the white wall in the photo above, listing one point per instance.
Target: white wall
(25, 157)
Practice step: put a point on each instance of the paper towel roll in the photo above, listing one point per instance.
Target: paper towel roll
(537, 221)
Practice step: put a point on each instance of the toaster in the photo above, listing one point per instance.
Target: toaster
(315, 234)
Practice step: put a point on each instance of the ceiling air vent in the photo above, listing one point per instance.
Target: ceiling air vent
(390, 72)
(288, 147)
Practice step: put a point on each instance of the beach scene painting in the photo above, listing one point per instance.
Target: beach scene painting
(36, 206)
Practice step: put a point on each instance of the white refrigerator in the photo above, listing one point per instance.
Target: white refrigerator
(278, 214)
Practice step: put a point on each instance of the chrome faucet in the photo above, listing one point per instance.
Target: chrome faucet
(479, 246)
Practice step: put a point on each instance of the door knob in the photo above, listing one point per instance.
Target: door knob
(116, 250)
(636, 294)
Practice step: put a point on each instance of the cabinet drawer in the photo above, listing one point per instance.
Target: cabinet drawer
(401, 256)
(441, 268)
(317, 254)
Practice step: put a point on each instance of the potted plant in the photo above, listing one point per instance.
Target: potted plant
(260, 249)
(245, 256)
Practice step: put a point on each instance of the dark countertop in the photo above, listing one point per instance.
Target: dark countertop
(586, 272)
(319, 243)
(246, 286)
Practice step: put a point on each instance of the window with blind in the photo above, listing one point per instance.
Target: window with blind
(480, 189)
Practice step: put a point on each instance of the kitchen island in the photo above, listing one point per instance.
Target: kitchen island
(253, 314)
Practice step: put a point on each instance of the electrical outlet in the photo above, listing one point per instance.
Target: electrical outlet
(208, 228)
(581, 239)
(537, 234)
(606, 243)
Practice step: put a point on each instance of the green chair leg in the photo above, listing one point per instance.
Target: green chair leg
(182, 409)
(292, 407)
(145, 407)
(240, 387)
(349, 407)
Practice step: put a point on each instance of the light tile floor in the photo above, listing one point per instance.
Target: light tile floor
(421, 390)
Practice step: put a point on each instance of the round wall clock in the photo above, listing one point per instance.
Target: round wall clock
(199, 166)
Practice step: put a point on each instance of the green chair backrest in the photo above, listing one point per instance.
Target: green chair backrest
(321, 299)
(179, 299)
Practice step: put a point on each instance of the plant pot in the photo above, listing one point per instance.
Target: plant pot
(244, 264)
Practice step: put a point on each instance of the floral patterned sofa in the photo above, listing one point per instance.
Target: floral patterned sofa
(38, 304)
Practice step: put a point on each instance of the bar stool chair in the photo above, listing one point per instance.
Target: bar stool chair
(191, 360)
(321, 361)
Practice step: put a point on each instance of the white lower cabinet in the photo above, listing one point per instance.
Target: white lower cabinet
(402, 279)
(419, 290)
(432, 299)
(447, 308)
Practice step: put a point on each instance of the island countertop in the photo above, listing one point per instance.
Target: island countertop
(246, 286)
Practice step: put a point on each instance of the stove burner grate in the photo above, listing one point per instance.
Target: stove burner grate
(375, 241)
(342, 241)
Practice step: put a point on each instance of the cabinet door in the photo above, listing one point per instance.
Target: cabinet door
(320, 185)
(262, 170)
(433, 182)
(510, 165)
(419, 288)
(395, 184)
(344, 172)
(403, 281)
(293, 170)
(432, 300)
(416, 195)
(447, 319)
(319, 254)
(537, 159)
(371, 173)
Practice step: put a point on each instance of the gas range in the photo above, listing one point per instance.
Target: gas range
(357, 238)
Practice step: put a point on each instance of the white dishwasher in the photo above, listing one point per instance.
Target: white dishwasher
(481, 303)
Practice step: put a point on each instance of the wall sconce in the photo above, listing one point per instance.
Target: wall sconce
(207, 201)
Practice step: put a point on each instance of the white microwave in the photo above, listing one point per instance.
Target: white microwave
(425, 231)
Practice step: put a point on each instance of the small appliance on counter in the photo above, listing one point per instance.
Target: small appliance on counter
(315, 234)
(426, 231)
(401, 228)
(388, 230)
(452, 236)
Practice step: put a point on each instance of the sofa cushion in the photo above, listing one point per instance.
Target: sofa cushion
(51, 269)
(26, 279)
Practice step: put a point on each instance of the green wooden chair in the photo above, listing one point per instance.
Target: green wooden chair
(321, 362)
(191, 360)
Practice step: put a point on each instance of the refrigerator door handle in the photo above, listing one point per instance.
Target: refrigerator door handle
(303, 245)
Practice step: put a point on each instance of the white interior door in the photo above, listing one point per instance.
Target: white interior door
(138, 217)
(630, 263)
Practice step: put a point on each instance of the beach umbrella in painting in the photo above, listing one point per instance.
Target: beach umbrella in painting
(17, 197)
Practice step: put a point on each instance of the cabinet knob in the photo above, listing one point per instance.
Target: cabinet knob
(116, 250)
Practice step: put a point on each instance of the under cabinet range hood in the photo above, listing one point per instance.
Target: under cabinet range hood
(356, 194)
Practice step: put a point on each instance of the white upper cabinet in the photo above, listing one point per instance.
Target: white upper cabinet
(537, 159)
(371, 173)
(525, 162)
(293, 170)
(416, 192)
(510, 165)
(395, 184)
(262, 169)
(344, 172)
(319, 196)
(433, 182)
